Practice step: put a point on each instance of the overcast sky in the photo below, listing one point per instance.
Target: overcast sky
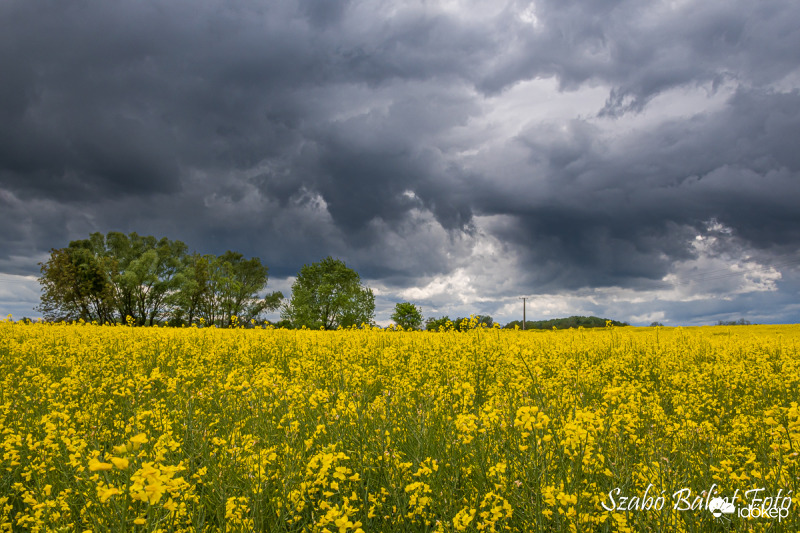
(632, 160)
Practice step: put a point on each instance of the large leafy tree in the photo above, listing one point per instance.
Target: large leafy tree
(434, 324)
(75, 286)
(194, 289)
(327, 295)
(229, 285)
(110, 278)
(143, 272)
(217, 288)
(407, 315)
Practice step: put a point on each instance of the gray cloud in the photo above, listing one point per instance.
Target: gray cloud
(409, 139)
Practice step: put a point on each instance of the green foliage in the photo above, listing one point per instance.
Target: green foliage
(192, 299)
(566, 323)
(142, 271)
(465, 323)
(407, 315)
(327, 295)
(459, 324)
(232, 288)
(740, 322)
(74, 286)
(107, 279)
(437, 324)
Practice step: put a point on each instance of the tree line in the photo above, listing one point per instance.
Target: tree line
(409, 316)
(141, 280)
(566, 323)
(462, 323)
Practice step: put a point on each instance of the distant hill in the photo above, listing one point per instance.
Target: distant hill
(566, 323)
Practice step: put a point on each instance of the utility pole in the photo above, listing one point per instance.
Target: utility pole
(523, 298)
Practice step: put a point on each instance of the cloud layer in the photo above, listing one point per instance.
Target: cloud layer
(602, 157)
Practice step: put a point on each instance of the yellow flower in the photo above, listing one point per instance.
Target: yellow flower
(105, 494)
(122, 464)
(120, 450)
(95, 465)
(233, 408)
(138, 440)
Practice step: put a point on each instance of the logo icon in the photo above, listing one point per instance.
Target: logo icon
(718, 506)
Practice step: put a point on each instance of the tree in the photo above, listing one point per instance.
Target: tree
(327, 295)
(236, 282)
(433, 324)
(75, 286)
(407, 315)
(462, 324)
(142, 272)
(566, 323)
(485, 320)
(740, 322)
(194, 289)
(108, 278)
(216, 288)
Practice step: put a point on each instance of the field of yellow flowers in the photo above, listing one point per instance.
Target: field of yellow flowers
(116, 428)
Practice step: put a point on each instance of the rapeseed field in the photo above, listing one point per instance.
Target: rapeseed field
(116, 428)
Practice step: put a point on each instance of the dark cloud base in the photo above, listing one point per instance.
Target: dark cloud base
(291, 131)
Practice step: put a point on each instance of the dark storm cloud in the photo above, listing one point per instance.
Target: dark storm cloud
(642, 49)
(368, 166)
(627, 209)
(120, 99)
(294, 130)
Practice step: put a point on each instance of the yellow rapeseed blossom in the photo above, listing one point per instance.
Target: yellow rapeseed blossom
(120, 463)
(95, 465)
(117, 428)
